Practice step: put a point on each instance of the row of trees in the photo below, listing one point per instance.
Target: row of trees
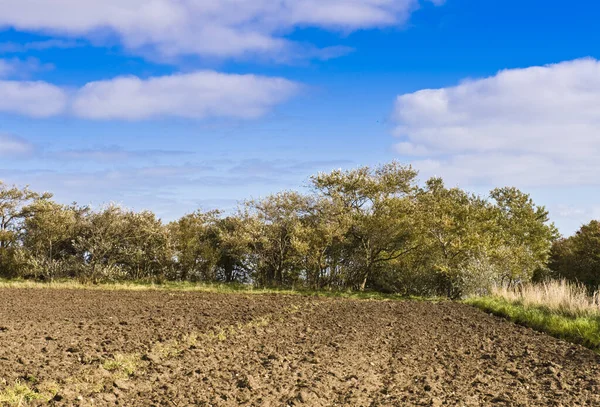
(366, 228)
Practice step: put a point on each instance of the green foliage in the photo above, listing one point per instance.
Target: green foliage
(196, 255)
(524, 235)
(455, 232)
(15, 208)
(272, 227)
(375, 207)
(361, 229)
(577, 258)
(118, 244)
(584, 330)
(49, 235)
(209, 248)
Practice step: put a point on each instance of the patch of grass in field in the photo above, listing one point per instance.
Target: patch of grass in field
(203, 287)
(167, 350)
(122, 364)
(19, 394)
(583, 329)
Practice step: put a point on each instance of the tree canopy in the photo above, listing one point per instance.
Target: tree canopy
(364, 228)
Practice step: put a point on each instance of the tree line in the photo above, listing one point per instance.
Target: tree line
(365, 228)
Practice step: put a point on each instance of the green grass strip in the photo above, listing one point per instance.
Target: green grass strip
(232, 288)
(583, 330)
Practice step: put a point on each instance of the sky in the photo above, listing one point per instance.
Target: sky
(180, 105)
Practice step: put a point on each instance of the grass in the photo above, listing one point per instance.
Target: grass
(121, 364)
(559, 297)
(19, 394)
(558, 308)
(167, 350)
(199, 287)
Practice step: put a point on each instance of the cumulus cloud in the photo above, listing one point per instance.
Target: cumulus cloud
(35, 99)
(196, 95)
(224, 28)
(11, 146)
(536, 126)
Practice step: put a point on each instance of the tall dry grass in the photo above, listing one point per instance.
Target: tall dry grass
(557, 296)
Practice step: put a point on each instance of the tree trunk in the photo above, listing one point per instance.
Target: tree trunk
(363, 285)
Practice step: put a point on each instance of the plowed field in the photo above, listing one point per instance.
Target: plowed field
(144, 348)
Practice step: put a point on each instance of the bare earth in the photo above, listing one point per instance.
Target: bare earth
(133, 348)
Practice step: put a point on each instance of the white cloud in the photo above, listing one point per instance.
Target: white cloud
(6, 68)
(11, 146)
(569, 211)
(224, 28)
(113, 154)
(14, 47)
(537, 126)
(21, 68)
(196, 95)
(35, 99)
(143, 187)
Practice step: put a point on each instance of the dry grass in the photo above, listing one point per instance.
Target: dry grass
(122, 364)
(556, 296)
(559, 308)
(229, 288)
(134, 286)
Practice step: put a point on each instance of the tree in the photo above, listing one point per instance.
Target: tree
(210, 248)
(49, 235)
(14, 203)
(379, 203)
(454, 229)
(273, 228)
(145, 250)
(195, 250)
(116, 244)
(523, 235)
(578, 257)
(233, 249)
(320, 243)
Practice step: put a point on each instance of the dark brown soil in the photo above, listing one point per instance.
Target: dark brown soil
(190, 349)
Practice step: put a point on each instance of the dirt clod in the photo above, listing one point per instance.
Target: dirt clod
(122, 384)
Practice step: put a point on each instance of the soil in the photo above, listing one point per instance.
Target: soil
(154, 348)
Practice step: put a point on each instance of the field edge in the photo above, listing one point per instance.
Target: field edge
(581, 330)
(223, 288)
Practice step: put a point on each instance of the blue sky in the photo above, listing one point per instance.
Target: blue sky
(178, 105)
